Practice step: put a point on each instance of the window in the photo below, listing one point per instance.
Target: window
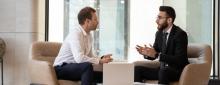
(56, 17)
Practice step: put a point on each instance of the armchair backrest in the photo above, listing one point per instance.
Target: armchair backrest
(200, 52)
(45, 51)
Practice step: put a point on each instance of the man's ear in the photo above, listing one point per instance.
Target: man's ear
(170, 20)
(86, 21)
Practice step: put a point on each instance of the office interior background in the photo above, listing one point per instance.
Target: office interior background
(122, 25)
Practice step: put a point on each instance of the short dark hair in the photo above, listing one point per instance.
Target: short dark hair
(85, 13)
(169, 11)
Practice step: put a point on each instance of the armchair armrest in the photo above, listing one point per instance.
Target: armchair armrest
(195, 74)
(150, 64)
(42, 72)
(98, 67)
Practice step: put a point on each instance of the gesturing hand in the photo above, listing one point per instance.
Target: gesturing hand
(147, 51)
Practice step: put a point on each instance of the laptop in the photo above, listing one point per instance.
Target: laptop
(118, 73)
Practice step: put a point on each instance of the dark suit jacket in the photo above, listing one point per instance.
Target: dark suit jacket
(176, 51)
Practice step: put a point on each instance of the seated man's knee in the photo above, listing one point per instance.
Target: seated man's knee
(88, 65)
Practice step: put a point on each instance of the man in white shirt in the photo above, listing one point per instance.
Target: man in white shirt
(75, 59)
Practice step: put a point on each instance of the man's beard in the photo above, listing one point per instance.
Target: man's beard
(163, 26)
(93, 27)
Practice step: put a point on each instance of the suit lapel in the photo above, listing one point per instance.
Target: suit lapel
(160, 40)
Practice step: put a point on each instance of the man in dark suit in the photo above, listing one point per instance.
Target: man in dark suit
(170, 47)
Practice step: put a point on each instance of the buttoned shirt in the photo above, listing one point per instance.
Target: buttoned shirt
(168, 31)
(76, 48)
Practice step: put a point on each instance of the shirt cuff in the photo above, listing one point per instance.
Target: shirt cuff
(158, 55)
(145, 57)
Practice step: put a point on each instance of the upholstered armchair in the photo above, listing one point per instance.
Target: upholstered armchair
(41, 60)
(195, 73)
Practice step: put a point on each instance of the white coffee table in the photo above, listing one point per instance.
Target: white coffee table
(118, 73)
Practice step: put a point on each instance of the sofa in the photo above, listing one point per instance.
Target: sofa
(195, 73)
(41, 60)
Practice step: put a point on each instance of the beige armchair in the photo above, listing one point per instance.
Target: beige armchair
(41, 64)
(195, 73)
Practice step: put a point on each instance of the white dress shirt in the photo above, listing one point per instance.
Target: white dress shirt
(168, 31)
(76, 48)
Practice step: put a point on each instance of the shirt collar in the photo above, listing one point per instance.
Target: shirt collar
(169, 29)
(84, 32)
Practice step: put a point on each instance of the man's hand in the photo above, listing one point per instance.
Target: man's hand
(147, 51)
(107, 56)
(140, 49)
(106, 59)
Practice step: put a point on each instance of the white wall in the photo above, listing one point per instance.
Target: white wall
(19, 28)
(143, 25)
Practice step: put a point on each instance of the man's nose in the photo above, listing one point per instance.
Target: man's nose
(157, 21)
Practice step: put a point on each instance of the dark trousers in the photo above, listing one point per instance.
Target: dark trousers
(163, 75)
(79, 71)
